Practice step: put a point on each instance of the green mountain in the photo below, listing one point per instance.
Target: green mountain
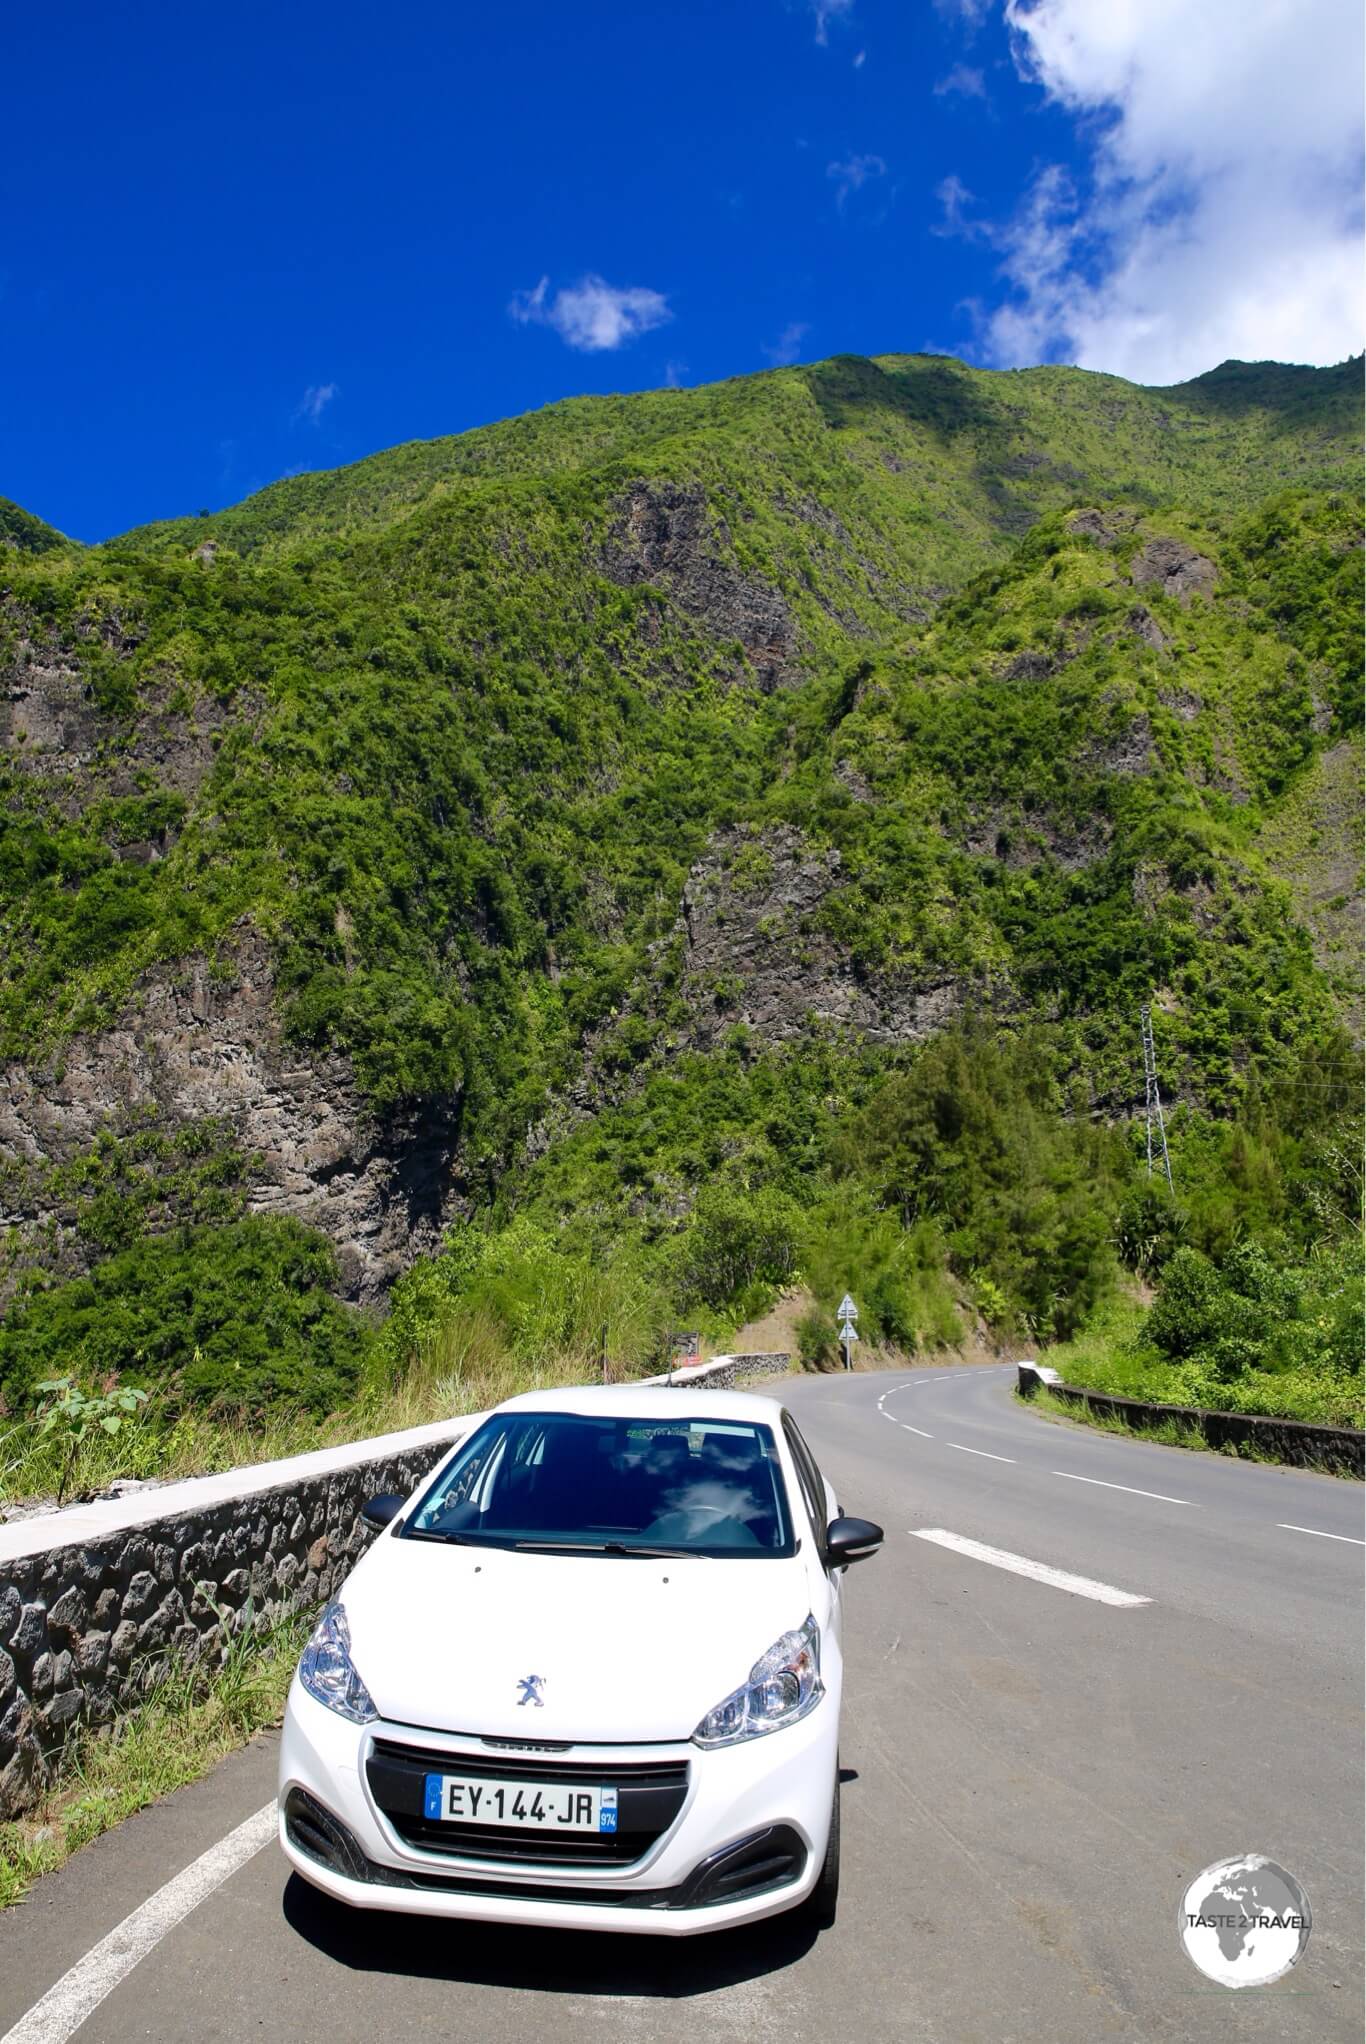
(605, 825)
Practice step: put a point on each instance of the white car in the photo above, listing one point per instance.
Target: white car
(588, 1676)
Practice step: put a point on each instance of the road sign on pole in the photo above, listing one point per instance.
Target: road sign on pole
(848, 1314)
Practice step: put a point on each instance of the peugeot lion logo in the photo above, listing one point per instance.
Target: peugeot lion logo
(531, 1687)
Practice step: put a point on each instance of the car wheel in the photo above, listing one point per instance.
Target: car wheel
(818, 1910)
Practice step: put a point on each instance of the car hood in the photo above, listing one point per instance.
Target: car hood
(628, 1650)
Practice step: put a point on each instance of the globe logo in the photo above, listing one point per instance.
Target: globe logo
(1244, 1922)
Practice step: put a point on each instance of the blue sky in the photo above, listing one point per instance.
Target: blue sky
(243, 242)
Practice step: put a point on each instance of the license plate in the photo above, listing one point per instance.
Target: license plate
(458, 1799)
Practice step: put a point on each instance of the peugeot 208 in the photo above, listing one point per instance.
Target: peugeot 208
(588, 1675)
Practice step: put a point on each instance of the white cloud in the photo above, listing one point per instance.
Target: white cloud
(860, 60)
(970, 14)
(592, 315)
(788, 346)
(674, 372)
(853, 175)
(315, 401)
(826, 11)
(1220, 214)
(953, 195)
(962, 79)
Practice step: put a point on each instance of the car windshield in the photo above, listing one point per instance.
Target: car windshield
(564, 1482)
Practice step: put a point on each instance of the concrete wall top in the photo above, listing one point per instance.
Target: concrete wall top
(78, 1525)
(81, 1524)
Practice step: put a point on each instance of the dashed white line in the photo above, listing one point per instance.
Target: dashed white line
(1133, 1491)
(983, 1452)
(917, 1430)
(1319, 1534)
(79, 1992)
(1021, 1565)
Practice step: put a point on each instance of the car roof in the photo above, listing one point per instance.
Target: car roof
(648, 1401)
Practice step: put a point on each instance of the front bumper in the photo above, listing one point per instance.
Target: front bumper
(748, 1842)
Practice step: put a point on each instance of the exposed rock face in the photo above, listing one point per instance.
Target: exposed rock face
(1182, 702)
(1031, 667)
(850, 777)
(1129, 752)
(1144, 625)
(754, 951)
(52, 730)
(1176, 569)
(204, 1044)
(1018, 843)
(50, 724)
(662, 533)
(1102, 528)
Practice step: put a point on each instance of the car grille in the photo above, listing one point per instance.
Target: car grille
(650, 1795)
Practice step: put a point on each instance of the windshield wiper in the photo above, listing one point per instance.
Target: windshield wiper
(612, 1547)
(447, 1539)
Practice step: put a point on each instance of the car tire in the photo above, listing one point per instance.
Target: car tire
(818, 1910)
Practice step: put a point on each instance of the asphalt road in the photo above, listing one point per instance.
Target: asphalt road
(1032, 1778)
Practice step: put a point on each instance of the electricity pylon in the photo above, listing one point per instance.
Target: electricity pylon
(1152, 1104)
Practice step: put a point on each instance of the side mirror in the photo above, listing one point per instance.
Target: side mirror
(849, 1540)
(383, 1510)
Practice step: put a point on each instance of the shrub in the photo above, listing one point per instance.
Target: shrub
(816, 1344)
(739, 1249)
(238, 1317)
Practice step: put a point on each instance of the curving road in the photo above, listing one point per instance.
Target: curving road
(1111, 1665)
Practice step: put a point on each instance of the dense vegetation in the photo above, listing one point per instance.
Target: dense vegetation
(453, 735)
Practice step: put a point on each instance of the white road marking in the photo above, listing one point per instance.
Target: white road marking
(1318, 1535)
(1101, 1484)
(917, 1430)
(983, 1452)
(79, 1992)
(1020, 1565)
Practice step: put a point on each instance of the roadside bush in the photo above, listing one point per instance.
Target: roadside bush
(816, 1344)
(897, 1275)
(1188, 1312)
(519, 1297)
(739, 1249)
(1149, 1225)
(973, 1139)
(239, 1318)
(1254, 1335)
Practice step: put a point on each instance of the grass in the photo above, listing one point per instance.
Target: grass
(466, 1369)
(1168, 1432)
(189, 1720)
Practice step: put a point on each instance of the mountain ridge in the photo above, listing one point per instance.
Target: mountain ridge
(578, 414)
(369, 843)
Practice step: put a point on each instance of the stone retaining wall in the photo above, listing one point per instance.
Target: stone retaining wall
(93, 1599)
(1340, 1449)
(723, 1372)
(85, 1623)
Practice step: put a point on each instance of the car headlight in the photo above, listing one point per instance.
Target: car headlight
(784, 1684)
(328, 1672)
